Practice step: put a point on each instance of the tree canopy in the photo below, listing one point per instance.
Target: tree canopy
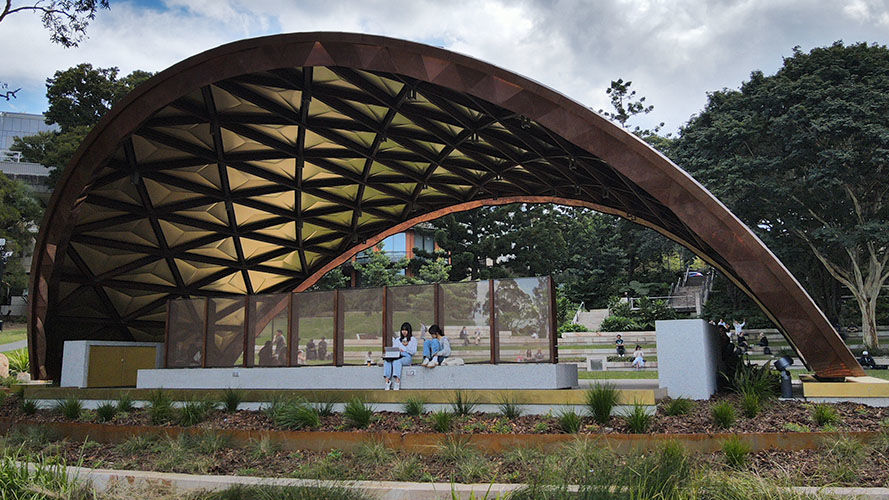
(66, 20)
(802, 157)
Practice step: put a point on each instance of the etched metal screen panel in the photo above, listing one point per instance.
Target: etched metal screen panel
(414, 304)
(467, 320)
(268, 343)
(314, 320)
(185, 342)
(363, 323)
(225, 331)
(522, 319)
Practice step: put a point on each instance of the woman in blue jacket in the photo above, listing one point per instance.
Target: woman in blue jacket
(392, 368)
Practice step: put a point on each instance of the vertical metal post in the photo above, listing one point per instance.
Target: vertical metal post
(339, 328)
(553, 322)
(206, 329)
(294, 329)
(384, 333)
(289, 330)
(436, 305)
(166, 337)
(495, 335)
(247, 329)
(250, 338)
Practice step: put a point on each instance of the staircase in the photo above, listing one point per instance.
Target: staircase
(592, 319)
(690, 293)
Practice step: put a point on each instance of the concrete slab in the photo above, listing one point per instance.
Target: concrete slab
(504, 376)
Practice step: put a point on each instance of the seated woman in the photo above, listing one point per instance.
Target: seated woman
(408, 347)
(438, 351)
(638, 359)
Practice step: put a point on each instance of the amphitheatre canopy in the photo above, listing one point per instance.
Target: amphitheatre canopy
(257, 166)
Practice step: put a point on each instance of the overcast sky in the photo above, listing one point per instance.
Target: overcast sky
(674, 52)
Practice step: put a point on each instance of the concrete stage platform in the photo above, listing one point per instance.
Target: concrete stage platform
(481, 376)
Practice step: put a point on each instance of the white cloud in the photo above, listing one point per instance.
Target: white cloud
(674, 52)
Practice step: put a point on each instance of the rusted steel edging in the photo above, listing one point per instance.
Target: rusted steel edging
(428, 443)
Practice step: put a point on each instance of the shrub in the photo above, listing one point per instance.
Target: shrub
(296, 415)
(572, 327)
(371, 453)
(653, 310)
(357, 413)
(29, 406)
(759, 380)
(736, 451)
(406, 468)
(509, 407)
(569, 421)
(660, 474)
(750, 404)
(618, 324)
(125, 403)
(441, 420)
(18, 360)
(795, 427)
(160, 407)
(36, 477)
(105, 412)
(272, 407)
(601, 400)
(414, 406)
(231, 398)
(473, 469)
(70, 408)
(324, 408)
(678, 406)
(638, 420)
(842, 459)
(824, 414)
(455, 449)
(723, 414)
(194, 412)
(463, 404)
(263, 447)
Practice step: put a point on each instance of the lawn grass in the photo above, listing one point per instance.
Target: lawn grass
(11, 335)
(628, 374)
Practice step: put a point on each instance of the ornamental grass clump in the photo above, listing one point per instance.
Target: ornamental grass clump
(736, 451)
(125, 403)
(160, 408)
(441, 420)
(231, 399)
(678, 406)
(750, 403)
(723, 415)
(824, 414)
(509, 407)
(569, 421)
(600, 401)
(414, 407)
(661, 474)
(105, 412)
(194, 412)
(463, 404)
(324, 408)
(296, 415)
(357, 413)
(70, 408)
(638, 420)
(29, 406)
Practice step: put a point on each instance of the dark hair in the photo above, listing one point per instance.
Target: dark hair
(638, 346)
(406, 326)
(435, 329)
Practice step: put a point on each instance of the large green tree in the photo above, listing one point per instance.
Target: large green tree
(66, 20)
(802, 156)
(78, 98)
(19, 214)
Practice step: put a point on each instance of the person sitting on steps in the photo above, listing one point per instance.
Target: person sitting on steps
(439, 347)
(621, 350)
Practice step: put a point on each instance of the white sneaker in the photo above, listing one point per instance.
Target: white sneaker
(432, 363)
(396, 386)
(388, 385)
(425, 362)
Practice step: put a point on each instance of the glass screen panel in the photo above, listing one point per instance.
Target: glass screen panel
(522, 319)
(269, 327)
(313, 318)
(414, 304)
(363, 327)
(225, 331)
(466, 308)
(186, 333)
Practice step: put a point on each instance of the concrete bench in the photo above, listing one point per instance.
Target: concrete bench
(480, 376)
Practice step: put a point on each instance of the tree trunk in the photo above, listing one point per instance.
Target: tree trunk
(867, 302)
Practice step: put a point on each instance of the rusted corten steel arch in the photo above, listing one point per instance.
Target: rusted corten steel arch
(257, 166)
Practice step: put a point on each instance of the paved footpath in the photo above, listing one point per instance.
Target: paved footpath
(13, 346)
(102, 479)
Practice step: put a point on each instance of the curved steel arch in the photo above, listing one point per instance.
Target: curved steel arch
(258, 165)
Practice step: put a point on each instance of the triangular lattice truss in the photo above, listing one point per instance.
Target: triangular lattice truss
(254, 183)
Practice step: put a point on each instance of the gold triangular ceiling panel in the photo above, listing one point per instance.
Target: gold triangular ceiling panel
(222, 249)
(139, 232)
(156, 273)
(330, 244)
(399, 120)
(283, 199)
(372, 194)
(288, 261)
(242, 180)
(285, 231)
(404, 187)
(311, 231)
(312, 258)
(393, 209)
(263, 281)
(192, 272)
(349, 192)
(285, 167)
(164, 194)
(178, 234)
(228, 103)
(235, 143)
(365, 139)
(377, 113)
(309, 201)
(313, 140)
(318, 108)
(232, 283)
(367, 218)
(159, 314)
(204, 175)
(92, 213)
(388, 85)
(214, 213)
(86, 303)
(195, 134)
(170, 111)
(324, 75)
(120, 190)
(149, 151)
(246, 215)
(286, 98)
(253, 248)
(342, 218)
(129, 301)
(281, 133)
(355, 165)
